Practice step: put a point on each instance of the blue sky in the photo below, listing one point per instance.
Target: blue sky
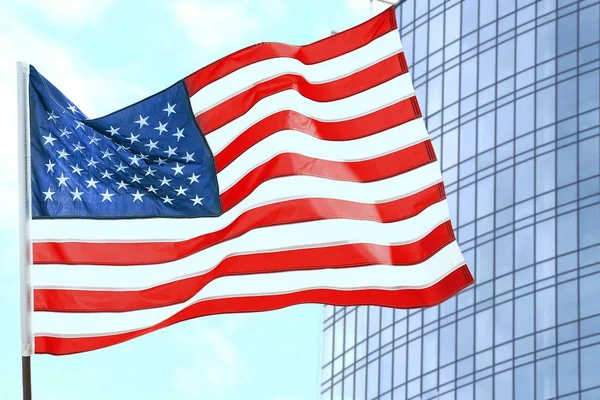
(106, 54)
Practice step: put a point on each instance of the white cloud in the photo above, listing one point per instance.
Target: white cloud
(219, 367)
(357, 11)
(85, 86)
(70, 13)
(225, 26)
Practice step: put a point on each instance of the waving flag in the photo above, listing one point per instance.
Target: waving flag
(275, 176)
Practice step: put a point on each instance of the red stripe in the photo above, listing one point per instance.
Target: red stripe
(287, 212)
(325, 49)
(367, 125)
(358, 82)
(288, 164)
(403, 298)
(341, 256)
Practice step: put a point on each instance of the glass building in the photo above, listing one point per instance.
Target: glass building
(510, 90)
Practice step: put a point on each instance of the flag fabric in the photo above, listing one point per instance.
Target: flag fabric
(276, 176)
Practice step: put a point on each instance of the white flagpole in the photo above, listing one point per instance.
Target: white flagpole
(27, 343)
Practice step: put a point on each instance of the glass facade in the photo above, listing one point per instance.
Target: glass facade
(510, 90)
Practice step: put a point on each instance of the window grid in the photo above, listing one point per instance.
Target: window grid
(536, 213)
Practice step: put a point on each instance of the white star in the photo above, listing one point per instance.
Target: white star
(151, 145)
(122, 185)
(181, 191)
(79, 125)
(170, 109)
(198, 200)
(133, 138)
(179, 134)
(107, 154)
(150, 171)
(78, 147)
(143, 156)
(189, 157)
(52, 117)
(77, 194)
(142, 121)
(72, 108)
(170, 152)
(121, 167)
(65, 132)
(151, 189)
(62, 180)
(50, 166)
(92, 162)
(107, 196)
(165, 181)
(134, 160)
(161, 161)
(178, 169)
(113, 131)
(135, 179)
(62, 154)
(137, 196)
(92, 182)
(166, 199)
(94, 140)
(121, 147)
(161, 128)
(194, 178)
(49, 195)
(106, 174)
(49, 139)
(76, 169)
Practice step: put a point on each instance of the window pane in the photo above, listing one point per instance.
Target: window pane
(487, 68)
(546, 379)
(524, 115)
(447, 344)
(484, 328)
(451, 86)
(468, 72)
(589, 159)
(525, 57)
(568, 373)
(373, 379)
(399, 365)
(589, 26)
(567, 33)
(504, 322)
(524, 382)
(524, 315)
(452, 27)
(545, 104)
(590, 365)
(589, 221)
(469, 15)
(436, 32)
(546, 39)
(589, 91)
(465, 333)
(567, 302)
(430, 351)
(414, 359)
(588, 295)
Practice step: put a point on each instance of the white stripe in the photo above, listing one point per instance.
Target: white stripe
(287, 141)
(272, 191)
(370, 277)
(362, 103)
(324, 233)
(329, 70)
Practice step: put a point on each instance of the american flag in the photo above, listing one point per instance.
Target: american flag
(275, 176)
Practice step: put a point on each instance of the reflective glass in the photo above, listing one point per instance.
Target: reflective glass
(515, 123)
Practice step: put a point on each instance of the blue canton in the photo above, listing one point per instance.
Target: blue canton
(147, 160)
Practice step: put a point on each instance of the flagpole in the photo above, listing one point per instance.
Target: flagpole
(24, 218)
